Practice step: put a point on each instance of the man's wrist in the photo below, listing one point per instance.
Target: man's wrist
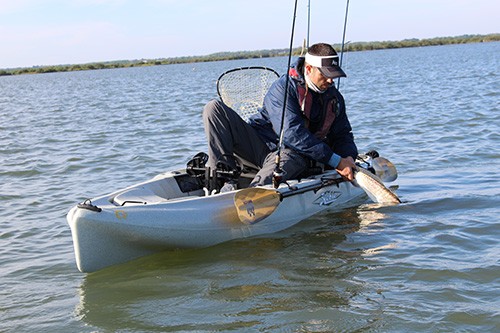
(334, 161)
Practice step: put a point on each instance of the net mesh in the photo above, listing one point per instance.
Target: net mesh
(243, 89)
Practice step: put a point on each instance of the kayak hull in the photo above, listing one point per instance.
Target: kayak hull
(164, 213)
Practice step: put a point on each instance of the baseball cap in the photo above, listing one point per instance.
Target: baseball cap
(327, 65)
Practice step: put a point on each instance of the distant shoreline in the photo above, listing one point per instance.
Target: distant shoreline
(221, 56)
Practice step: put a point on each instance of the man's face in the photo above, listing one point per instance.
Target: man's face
(321, 81)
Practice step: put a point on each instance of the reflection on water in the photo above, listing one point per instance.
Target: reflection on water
(250, 282)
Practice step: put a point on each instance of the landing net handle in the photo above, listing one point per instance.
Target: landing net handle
(243, 89)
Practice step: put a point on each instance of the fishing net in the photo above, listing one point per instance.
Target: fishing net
(243, 89)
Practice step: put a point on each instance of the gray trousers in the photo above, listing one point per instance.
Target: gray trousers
(228, 134)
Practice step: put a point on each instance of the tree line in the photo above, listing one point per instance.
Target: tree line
(220, 56)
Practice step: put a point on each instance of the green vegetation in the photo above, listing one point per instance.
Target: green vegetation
(354, 46)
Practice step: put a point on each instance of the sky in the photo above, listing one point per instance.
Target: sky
(52, 32)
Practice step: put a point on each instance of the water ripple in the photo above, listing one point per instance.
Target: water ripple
(430, 264)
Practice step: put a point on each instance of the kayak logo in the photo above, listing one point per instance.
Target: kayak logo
(327, 197)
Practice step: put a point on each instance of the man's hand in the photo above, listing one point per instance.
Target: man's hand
(346, 167)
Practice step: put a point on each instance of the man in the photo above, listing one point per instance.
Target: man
(315, 125)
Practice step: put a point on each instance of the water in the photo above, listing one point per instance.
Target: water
(428, 265)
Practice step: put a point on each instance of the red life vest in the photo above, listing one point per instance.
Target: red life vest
(306, 102)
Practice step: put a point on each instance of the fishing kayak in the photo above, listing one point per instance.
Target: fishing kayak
(174, 210)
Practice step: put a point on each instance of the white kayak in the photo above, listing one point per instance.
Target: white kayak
(173, 211)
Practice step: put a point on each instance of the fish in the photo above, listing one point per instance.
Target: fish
(374, 187)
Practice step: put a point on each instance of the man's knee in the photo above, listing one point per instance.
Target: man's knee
(214, 107)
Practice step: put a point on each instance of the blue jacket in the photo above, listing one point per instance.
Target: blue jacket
(298, 133)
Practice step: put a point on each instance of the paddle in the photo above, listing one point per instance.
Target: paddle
(256, 203)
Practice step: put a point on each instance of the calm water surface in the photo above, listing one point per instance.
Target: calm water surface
(428, 265)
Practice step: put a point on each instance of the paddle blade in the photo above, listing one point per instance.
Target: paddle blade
(384, 169)
(255, 204)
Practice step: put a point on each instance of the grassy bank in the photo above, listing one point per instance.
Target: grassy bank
(353, 46)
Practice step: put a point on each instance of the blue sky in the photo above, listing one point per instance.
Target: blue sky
(48, 32)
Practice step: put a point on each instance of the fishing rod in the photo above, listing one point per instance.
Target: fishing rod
(278, 173)
(308, 21)
(343, 41)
